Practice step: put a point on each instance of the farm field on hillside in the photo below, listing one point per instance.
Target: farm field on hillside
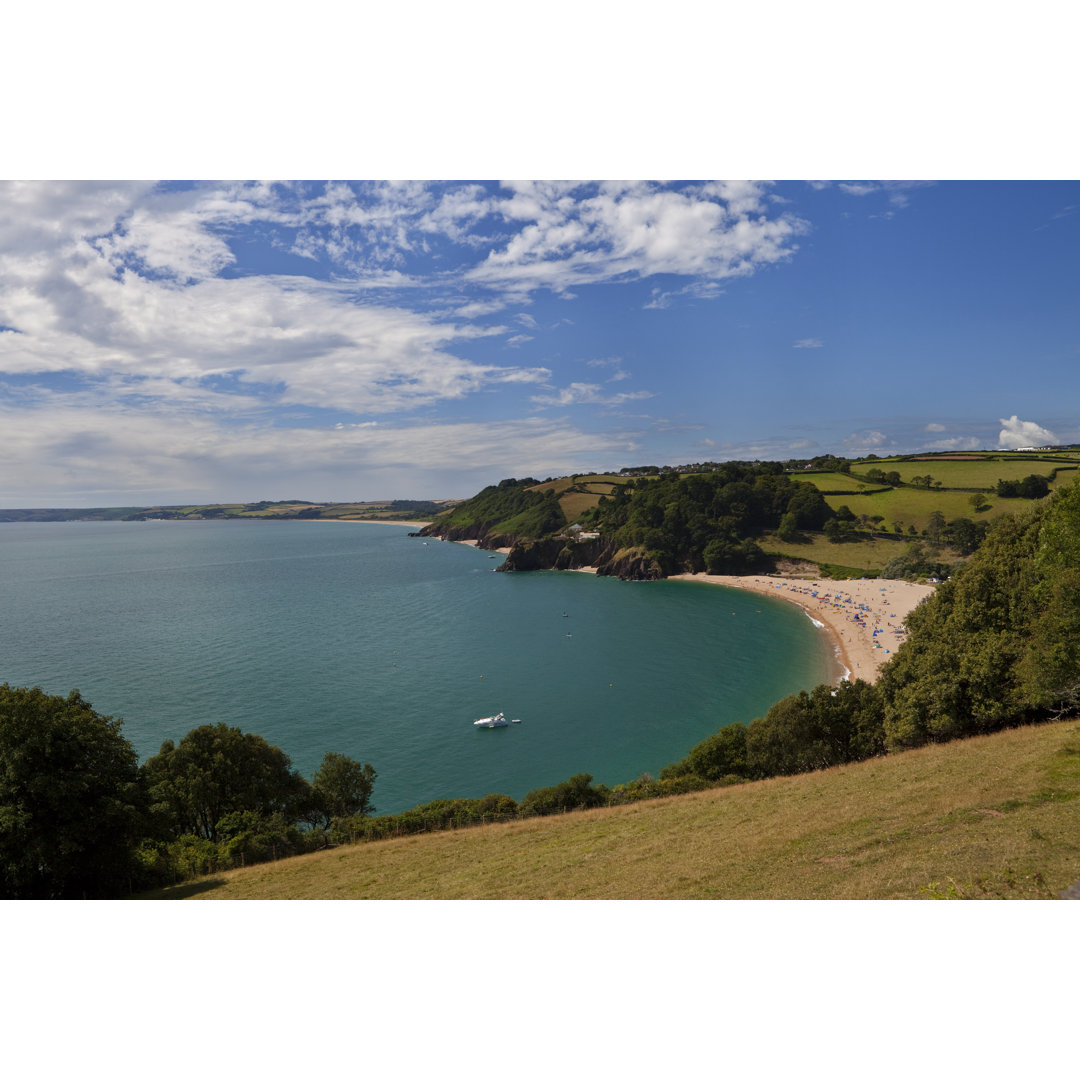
(913, 506)
(869, 555)
(836, 481)
(975, 474)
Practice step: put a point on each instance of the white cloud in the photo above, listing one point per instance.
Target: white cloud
(959, 442)
(120, 282)
(587, 394)
(117, 456)
(696, 290)
(934, 427)
(898, 192)
(572, 237)
(808, 343)
(1016, 432)
(860, 188)
(860, 442)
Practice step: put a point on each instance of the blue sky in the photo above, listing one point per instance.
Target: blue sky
(166, 342)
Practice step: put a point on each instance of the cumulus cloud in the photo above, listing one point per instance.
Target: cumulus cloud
(934, 427)
(150, 346)
(1016, 433)
(808, 343)
(126, 282)
(572, 234)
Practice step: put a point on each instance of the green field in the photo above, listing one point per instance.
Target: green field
(913, 506)
(974, 474)
(982, 818)
(870, 554)
(836, 481)
(582, 492)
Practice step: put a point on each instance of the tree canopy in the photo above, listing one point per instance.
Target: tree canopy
(217, 770)
(71, 801)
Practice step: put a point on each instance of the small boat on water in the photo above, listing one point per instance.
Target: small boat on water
(498, 720)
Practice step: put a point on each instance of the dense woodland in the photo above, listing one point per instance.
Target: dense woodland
(997, 645)
(650, 527)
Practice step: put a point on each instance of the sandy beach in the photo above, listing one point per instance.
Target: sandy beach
(475, 543)
(865, 617)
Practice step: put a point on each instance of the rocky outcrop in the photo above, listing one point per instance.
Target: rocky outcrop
(629, 564)
(632, 564)
(555, 552)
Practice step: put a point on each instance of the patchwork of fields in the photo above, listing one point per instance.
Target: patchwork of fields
(953, 481)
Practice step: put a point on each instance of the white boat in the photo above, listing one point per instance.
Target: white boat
(498, 720)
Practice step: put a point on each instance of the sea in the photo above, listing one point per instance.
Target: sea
(361, 639)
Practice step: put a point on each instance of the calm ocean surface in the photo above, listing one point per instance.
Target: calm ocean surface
(360, 639)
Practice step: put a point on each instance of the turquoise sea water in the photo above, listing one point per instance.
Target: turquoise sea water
(360, 639)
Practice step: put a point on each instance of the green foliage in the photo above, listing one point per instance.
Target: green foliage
(645, 787)
(916, 561)
(1030, 487)
(342, 788)
(434, 816)
(576, 793)
(807, 731)
(828, 726)
(1000, 643)
(508, 507)
(715, 758)
(788, 529)
(250, 837)
(71, 802)
(215, 770)
(706, 521)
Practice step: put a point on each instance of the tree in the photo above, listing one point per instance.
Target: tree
(935, 524)
(71, 803)
(977, 502)
(720, 755)
(342, 788)
(1033, 487)
(216, 770)
(788, 530)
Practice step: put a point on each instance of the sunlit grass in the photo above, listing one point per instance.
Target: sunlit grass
(994, 816)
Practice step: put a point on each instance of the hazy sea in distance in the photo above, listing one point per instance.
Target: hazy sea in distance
(361, 639)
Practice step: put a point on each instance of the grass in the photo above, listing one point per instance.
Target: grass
(836, 481)
(976, 474)
(866, 554)
(581, 492)
(989, 817)
(913, 506)
(575, 503)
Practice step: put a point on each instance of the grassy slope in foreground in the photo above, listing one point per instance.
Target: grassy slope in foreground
(992, 816)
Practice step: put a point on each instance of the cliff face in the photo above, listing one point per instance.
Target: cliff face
(555, 553)
(629, 564)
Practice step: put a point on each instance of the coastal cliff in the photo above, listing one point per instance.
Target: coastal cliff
(560, 553)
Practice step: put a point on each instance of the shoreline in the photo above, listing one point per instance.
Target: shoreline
(375, 521)
(864, 617)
